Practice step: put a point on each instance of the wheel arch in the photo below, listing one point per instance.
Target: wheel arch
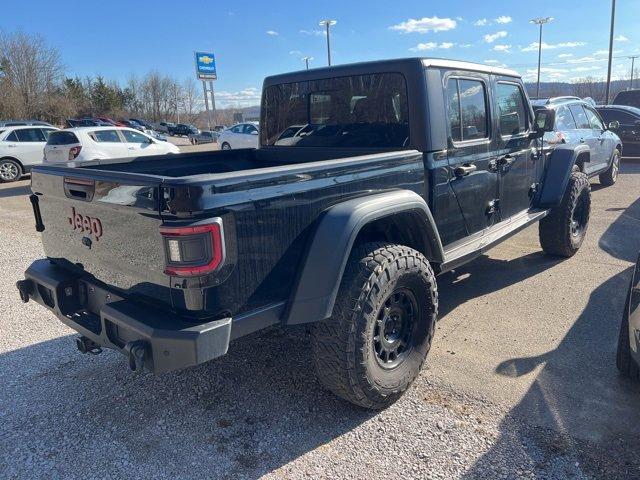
(400, 216)
(558, 170)
(9, 157)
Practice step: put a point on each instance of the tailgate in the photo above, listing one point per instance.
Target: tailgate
(107, 222)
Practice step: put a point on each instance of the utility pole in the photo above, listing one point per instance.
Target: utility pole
(306, 61)
(328, 23)
(633, 61)
(613, 22)
(540, 21)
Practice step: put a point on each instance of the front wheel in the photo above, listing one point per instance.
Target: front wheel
(10, 170)
(373, 346)
(563, 230)
(609, 177)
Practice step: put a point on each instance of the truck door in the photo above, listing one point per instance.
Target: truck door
(472, 173)
(515, 148)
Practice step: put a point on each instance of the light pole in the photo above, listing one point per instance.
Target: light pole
(328, 23)
(633, 61)
(306, 61)
(540, 21)
(613, 21)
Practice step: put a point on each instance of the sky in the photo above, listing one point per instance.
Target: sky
(253, 39)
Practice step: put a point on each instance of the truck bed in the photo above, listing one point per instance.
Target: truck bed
(269, 201)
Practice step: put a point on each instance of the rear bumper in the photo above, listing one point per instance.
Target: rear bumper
(157, 340)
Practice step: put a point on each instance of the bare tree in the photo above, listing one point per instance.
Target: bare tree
(31, 69)
(189, 97)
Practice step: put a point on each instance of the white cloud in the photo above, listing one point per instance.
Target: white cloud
(481, 22)
(421, 47)
(465, 45)
(492, 37)
(583, 60)
(504, 19)
(586, 69)
(565, 55)
(318, 33)
(533, 47)
(243, 98)
(295, 52)
(492, 61)
(605, 53)
(425, 25)
(502, 48)
(621, 38)
(273, 33)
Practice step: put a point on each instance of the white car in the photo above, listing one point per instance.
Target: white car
(242, 135)
(20, 149)
(101, 143)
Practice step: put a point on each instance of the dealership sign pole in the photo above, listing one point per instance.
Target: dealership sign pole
(206, 70)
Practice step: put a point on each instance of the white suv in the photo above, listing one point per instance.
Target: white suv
(101, 143)
(20, 149)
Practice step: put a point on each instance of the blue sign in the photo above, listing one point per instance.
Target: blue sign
(206, 66)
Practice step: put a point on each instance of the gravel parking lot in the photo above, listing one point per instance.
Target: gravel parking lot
(520, 383)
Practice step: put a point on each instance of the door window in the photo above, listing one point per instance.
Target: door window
(134, 137)
(29, 135)
(248, 129)
(237, 129)
(579, 116)
(106, 136)
(467, 109)
(564, 119)
(594, 120)
(513, 116)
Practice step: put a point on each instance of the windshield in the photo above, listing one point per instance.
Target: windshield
(355, 111)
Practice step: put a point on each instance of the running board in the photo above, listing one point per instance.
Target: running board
(492, 236)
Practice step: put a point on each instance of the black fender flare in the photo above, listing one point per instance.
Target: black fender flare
(321, 270)
(556, 176)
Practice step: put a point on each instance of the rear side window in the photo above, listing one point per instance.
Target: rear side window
(579, 116)
(134, 137)
(30, 135)
(467, 109)
(357, 111)
(564, 119)
(62, 137)
(513, 116)
(106, 136)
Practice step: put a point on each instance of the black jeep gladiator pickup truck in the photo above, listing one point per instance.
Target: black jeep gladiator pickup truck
(370, 180)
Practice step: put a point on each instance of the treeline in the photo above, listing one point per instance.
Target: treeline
(33, 85)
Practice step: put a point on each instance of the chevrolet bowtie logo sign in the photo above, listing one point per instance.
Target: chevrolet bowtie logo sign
(206, 66)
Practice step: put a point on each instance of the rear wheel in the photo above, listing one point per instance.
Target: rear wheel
(610, 176)
(373, 346)
(624, 361)
(563, 230)
(225, 146)
(10, 170)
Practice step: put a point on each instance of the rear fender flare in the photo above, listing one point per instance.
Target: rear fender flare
(556, 176)
(321, 270)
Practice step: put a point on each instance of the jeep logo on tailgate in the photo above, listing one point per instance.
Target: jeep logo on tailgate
(86, 224)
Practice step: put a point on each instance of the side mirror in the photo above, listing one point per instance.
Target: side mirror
(545, 121)
(614, 125)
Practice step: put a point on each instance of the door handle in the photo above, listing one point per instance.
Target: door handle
(464, 170)
(132, 148)
(582, 140)
(506, 160)
(12, 145)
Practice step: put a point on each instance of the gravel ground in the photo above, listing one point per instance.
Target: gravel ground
(519, 384)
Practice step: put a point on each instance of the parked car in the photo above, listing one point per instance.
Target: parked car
(20, 123)
(132, 124)
(413, 167)
(625, 122)
(86, 122)
(578, 123)
(146, 125)
(20, 149)
(101, 143)
(109, 121)
(182, 129)
(631, 98)
(203, 136)
(628, 353)
(242, 135)
(163, 127)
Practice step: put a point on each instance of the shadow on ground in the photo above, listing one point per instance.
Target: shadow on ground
(15, 191)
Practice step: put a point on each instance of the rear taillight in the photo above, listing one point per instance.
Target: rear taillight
(74, 152)
(194, 250)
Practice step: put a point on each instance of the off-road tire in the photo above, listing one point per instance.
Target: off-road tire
(344, 349)
(609, 176)
(10, 170)
(558, 233)
(626, 364)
